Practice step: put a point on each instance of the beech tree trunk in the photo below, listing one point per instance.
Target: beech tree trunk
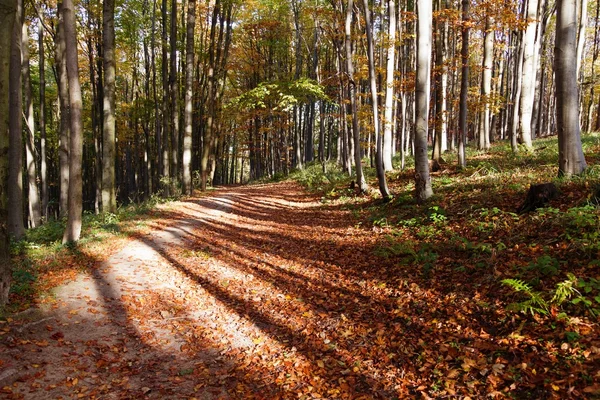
(388, 122)
(360, 179)
(441, 125)
(8, 10)
(383, 188)
(529, 73)
(65, 115)
(16, 228)
(464, 86)
(486, 84)
(42, 119)
(174, 97)
(188, 115)
(570, 154)
(33, 198)
(422, 88)
(164, 180)
(109, 196)
(73, 228)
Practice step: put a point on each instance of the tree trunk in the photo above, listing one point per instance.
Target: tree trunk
(65, 115)
(42, 117)
(570, 154)
(73, 228)
(360, 179)
(15, 151)
(464, 86)
(422, 90)
(164, 150)
(581, 25)
(109, 198)
(389, 88)
(383, 188)
(486, 84)
(441, 139)
(188, 114)
(529, 73)
(174, 97)
(33, 198)
(8, 11)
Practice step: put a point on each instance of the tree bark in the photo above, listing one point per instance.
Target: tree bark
(174, 98)
(389, 88)
(486, 84)
(42, 119)
(188, 114)
(33, 198)
(165, 152)
(15, 151)
(8, 11)
(73, 228)
(65, 115)
(360, 179)
(109, 197)
(464, 86)
(570, 154)
(529, 73)
(383, 188)
(422, 89)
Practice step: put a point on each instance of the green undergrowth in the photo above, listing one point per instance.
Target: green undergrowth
(542, 263)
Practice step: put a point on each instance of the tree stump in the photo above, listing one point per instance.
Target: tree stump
(538, 197)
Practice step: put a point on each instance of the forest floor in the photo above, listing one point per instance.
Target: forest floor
(268, 292)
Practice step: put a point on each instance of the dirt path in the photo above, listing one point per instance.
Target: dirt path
(261, 292)
(178, 312)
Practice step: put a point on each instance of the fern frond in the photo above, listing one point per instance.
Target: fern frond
(517, 285)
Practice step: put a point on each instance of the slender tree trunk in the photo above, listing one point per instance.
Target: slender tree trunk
(15, 155)
(581, 25)
(440, 142)
(516, 93)
(188, 114)
(65, 118)
(8, 10)
(165, 152)
(389, 88)
(109, 197)
(383, 188)
(486, 84)
(360, 179)
(464, 86)
(33, 198)
(422, 90)
(174, 97)
(42, 119)
(529, 73)
(73, 228)
(570, 154)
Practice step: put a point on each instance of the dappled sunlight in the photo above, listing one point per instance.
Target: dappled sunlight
(249, 294)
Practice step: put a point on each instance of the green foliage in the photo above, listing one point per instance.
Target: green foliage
(280, 96)
(23, 278)
(437, 215)
(332, 182)
(564, 293)
(409, 253)
(545, 266)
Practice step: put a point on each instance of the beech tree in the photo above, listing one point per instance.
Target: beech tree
(8, 11)
(109, 198)
(189, 81)
(424, 39)
(75, 200)
(570, 154)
